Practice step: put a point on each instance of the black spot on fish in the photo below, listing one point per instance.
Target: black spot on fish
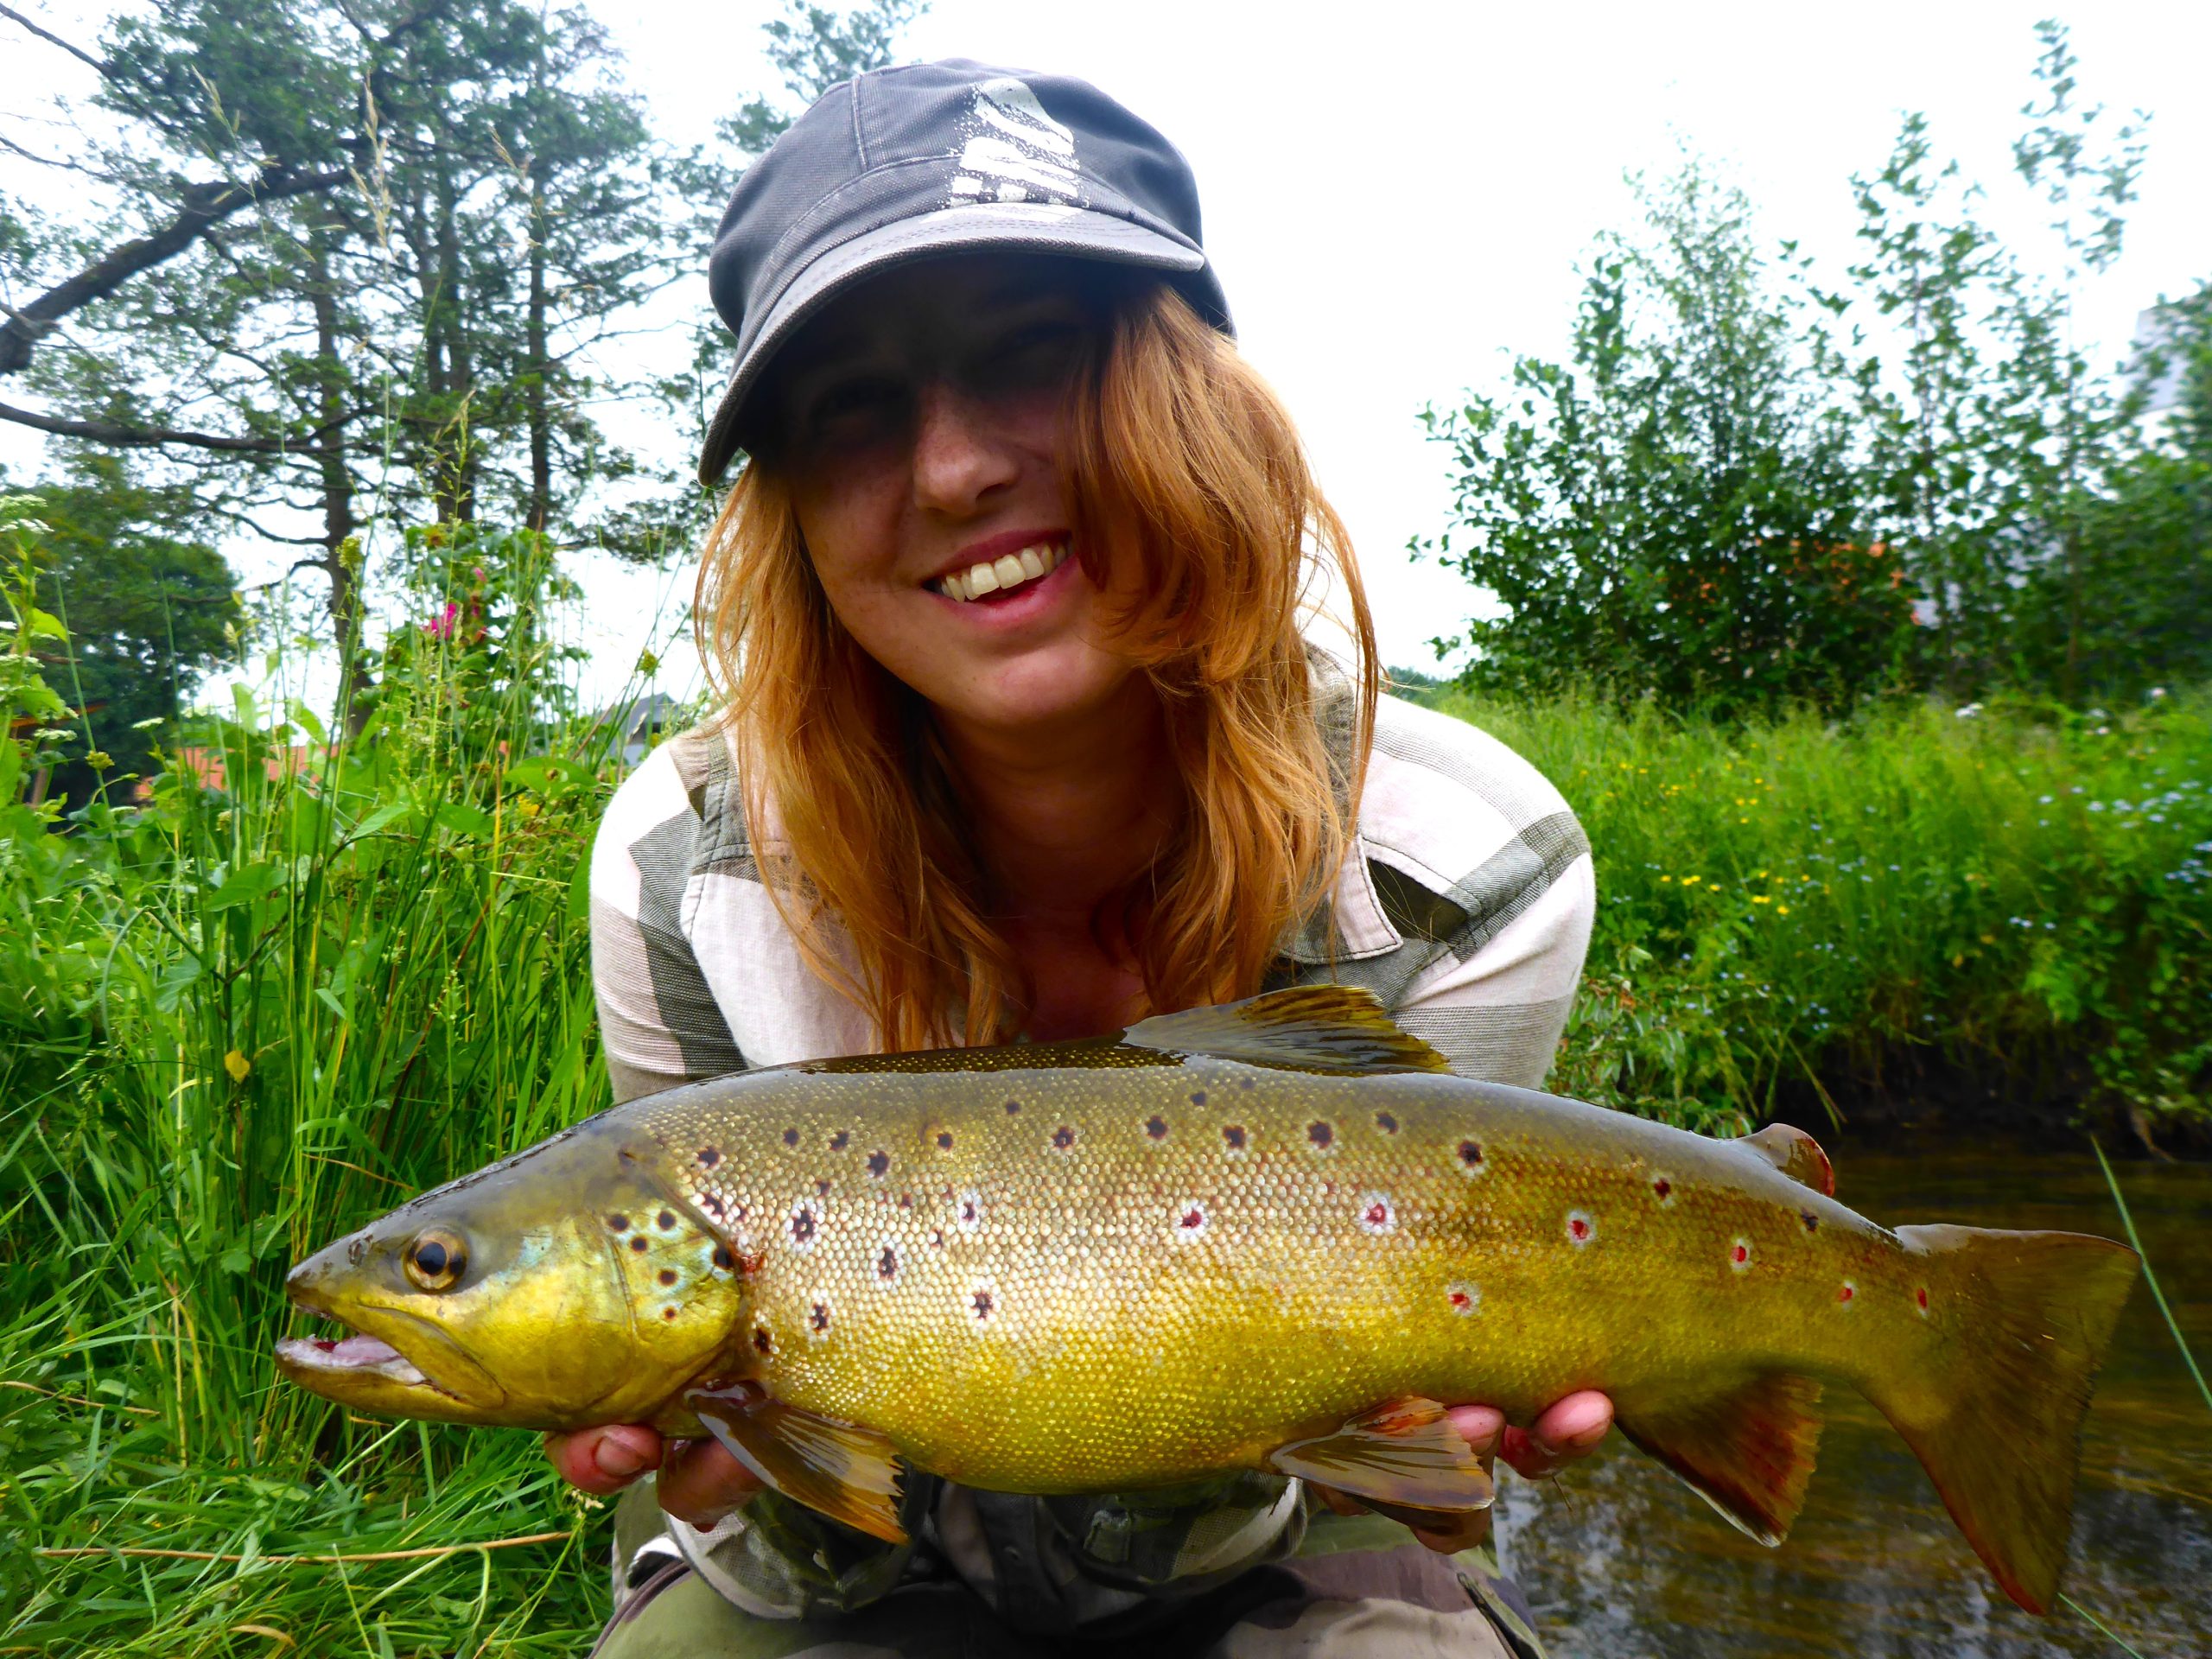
(1156, 1128)
(668, 1276)
(1014, 1109)
(905, 1200)
(818, 1317)
(1812, 1222)
(708, 1157)
(1471, 1155)
(821, 1188)
(664, 1220)
(723, 1258)
(937, 1238)
(668, 1312)
(1385, 1122)
(944, 1140)
(791, 1137)
(983, 1304)
(1198, 1097)
(887, 1265)
(617, 1224)
(762, 1343)
(878, 1164)
(840, 1141)
(1063, 1138)
(712, 1205)
(1321, 1134)
(641, 1243)
(1234, 1135)
(802, 1224)
(356, 1250)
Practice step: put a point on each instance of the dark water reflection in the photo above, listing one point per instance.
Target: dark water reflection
(1626, 1563)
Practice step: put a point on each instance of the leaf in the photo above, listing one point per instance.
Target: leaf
(464, 820)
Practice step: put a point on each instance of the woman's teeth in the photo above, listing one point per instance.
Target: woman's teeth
(1009, 570)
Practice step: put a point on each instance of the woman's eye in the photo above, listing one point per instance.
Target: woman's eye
(1035, 356)
(855, 402)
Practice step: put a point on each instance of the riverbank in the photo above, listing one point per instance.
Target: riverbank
(1924, 915)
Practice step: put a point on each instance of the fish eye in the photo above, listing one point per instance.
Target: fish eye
(437, 1259)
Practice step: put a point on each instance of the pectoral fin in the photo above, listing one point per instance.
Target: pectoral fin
(1748, 1454)
(848, 1472)
(1405, 1454)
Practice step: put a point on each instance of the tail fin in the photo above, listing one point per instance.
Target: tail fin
(1997, 1424)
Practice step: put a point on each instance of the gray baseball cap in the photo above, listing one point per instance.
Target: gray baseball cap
(935, 158)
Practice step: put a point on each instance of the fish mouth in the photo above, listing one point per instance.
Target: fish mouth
(365, 1372)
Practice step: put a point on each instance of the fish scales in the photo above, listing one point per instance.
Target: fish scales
(1214, 1216)
(1274, 1234)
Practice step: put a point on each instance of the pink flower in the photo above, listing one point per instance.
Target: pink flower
(441, 627)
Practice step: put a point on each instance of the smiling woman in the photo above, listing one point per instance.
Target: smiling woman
(1019, 738)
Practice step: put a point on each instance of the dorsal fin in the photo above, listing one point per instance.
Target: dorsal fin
(1796, 1154)
(1335, 1029)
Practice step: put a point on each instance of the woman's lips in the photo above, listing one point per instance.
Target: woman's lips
(992, 580)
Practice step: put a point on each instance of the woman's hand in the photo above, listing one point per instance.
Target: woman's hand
(1568, 1429)
(700, 1482)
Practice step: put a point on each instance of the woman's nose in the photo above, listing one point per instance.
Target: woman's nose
(959, 455)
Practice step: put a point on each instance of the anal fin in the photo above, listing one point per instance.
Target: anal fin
(848, 1472)
(1749, 1454)
(1405, 1455)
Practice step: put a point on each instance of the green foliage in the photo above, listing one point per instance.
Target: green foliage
(1672, 512)
(1781, 902)
(313, 974)
(1738, 489)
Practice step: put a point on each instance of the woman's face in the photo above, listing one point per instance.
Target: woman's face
(918, 423)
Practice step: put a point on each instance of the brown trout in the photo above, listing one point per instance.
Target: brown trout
(1272, 1235)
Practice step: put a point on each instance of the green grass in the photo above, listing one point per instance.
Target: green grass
(236, 1021)
(2022, 894)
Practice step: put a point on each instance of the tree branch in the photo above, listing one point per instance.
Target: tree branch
(147, 437)
(205, 206)
(51, 39)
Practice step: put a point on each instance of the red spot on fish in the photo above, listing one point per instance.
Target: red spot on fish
(1920, 1296)
(1661, 1188)
(1385, 1122)
(1234, 1135)
(1471, 1157)
(1463, 1298)
(791, 1137)
(1848, 1293)
(1739, 1254)
(1156, 1128)
(708, 1157)
(1579, 1227)
(1191, 1223)
(1321, 1134)
(840, 1141)
(1376, 1213)
(878, 1164)
(1063, 1138)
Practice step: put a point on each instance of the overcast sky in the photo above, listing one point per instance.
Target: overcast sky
(1397, 193)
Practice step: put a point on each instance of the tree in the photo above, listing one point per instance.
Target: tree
(1675, 511)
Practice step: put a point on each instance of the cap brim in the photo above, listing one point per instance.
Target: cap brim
(1031, 227)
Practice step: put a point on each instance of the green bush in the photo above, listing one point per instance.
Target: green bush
(2020, 891)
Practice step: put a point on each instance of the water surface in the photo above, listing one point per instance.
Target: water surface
(1625, 1563)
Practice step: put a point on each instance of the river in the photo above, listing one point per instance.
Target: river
(1622, 1562)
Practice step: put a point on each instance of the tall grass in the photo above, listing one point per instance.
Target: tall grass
(267, 1003)
(2016, 891)
(315, 971)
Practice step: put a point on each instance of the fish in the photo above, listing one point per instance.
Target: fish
(1275, 1235)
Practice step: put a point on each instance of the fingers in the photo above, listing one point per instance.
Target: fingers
(701, 1482)
(1568, 1429)
(605, 1459)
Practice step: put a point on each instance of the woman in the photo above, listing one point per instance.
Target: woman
(1021, 741)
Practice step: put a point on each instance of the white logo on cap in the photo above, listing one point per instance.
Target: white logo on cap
(1012, 151)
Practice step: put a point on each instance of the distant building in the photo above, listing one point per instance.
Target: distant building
(641, 723)
(2157, 367)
